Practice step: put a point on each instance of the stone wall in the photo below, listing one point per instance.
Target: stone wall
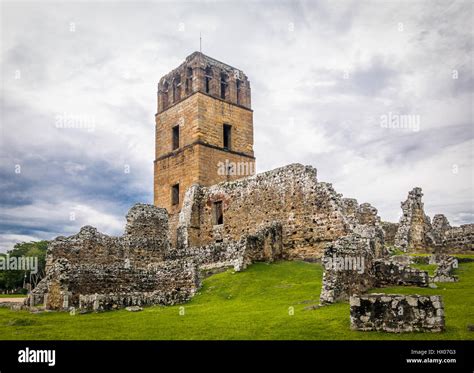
(416, 233)
(117, 268)
(389, 272)
(311, 213)
(459, 239)
(169, 282)
(440, 224)
(397, 313)
(414, 228)
(264, 245)
(93, 271)
(353, 265)
(390, 231)
(445, 270)
(348, 268)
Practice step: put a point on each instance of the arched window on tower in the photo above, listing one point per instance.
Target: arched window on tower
(207, 79)
(164, 95)
(224, 85)
(189, 80)
(176, 88)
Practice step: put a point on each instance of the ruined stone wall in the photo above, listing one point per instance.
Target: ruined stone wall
(353, 265)
(390, 272)
(446, 268)
(397, 313)
(390, 231)
(356, 214)
(440, 224)
(311, 213)
(416, 233)
(169, 282)
(348, 268)
(265, 245)
(414, 230)
(120, 267)
(459, 239)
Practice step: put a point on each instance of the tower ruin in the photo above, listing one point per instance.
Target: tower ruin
(204, 129)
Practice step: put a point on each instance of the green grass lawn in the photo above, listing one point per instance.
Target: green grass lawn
(12, 296)
(430, 268)
(254, 304)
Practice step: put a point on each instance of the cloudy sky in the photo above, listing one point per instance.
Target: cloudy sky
(329, 82)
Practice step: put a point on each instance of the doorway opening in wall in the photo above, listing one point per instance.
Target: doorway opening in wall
(175, 194)
(218, 215)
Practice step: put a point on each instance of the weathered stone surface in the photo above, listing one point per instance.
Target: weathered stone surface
(264, 245)
(416, 233)
(445, 270)
(397, 313)
(415, 227)
(198, 98)
(458, 239)
(389, 272)
(95, 272)
(115, 269)
(341, 279)
(440, 224)
(390, 231)
(348, 268)
(311, 213)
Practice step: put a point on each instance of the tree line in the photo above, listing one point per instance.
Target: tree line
(18, 281)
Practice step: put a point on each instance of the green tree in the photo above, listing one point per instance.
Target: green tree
(15, 280)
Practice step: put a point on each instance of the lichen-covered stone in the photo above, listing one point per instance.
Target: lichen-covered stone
(397, 313)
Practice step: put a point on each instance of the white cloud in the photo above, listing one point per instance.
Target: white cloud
(397, 57)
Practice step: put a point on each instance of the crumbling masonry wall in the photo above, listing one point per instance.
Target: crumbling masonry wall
(457, 239)
(352, 265)
(119, 271)
(96, 272)
(390, 231)
(311, 213)
(397, 313)
(265, 245)
(416, 233)
(415, 226)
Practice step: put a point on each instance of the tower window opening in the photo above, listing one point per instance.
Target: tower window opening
(227, 130)
(189, 80)
(237, 84)
(176, 89)
(164, 95)
(208, 76)
(175, 194)
(223, 86)
(218, 213)
(175, 136)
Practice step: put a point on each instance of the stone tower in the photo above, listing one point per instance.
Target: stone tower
(204, 129)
